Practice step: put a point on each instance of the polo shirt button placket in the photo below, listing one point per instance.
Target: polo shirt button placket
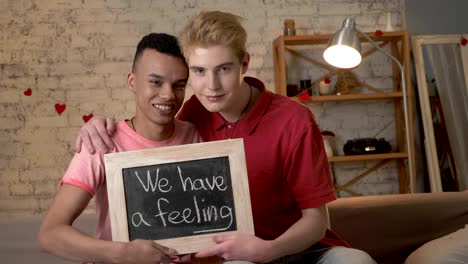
(229, 129)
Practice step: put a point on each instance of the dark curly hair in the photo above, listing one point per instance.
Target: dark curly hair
(161, 42)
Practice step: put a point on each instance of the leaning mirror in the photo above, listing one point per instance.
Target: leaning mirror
(441, 63)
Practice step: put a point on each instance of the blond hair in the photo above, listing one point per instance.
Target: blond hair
(215, 28)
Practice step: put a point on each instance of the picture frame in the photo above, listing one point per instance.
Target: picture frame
(183, 162)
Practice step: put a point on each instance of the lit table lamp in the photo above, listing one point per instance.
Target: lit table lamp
(344, 51)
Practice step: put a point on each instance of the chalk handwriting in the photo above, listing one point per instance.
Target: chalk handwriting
(191, 199)
(199, 184)
(199, 214)
(140, 220)
(160, 184)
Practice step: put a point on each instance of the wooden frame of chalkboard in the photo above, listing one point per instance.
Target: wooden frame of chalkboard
(179, 196)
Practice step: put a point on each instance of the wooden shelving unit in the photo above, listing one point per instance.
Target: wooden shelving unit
(354, 97)
(399, 46)
(400, 155)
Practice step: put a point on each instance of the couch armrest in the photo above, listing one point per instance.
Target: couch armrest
(19, 239)
(390, 227)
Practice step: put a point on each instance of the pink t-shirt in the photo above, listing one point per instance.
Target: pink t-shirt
(87, 171)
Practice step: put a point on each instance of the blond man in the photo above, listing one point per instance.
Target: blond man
(287, 166)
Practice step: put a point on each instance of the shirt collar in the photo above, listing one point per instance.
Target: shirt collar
(249, 122)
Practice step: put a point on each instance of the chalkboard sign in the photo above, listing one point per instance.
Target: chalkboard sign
(194, 194)
(179, 196)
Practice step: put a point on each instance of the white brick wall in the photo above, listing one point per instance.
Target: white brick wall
(79, 52)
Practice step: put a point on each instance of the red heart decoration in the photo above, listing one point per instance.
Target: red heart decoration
(463, 41)
(378, 33)
(304, 96)
(60, 108)
(327, 80)
(28, 92)
(86, 118)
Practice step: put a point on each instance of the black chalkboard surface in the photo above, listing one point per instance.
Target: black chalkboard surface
(179, 196)
(179, 199)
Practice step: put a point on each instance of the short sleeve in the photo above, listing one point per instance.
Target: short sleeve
(86, 171)
(308, 174)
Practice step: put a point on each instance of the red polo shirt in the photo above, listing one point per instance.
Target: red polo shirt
(286, 161)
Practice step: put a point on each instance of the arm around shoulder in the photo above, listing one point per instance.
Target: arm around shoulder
(96, 134)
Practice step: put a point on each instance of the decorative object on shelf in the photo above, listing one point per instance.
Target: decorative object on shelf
(325, 87)
(289, 27)
(304, 96)
(363, 146)
(346, 82)
(305, 85)
(344, 51)
(389, 27)
(292, 89)
(327, 136)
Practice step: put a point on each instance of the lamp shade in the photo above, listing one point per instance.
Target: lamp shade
(344, 48)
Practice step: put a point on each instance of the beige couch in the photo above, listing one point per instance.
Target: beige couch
(388, 227)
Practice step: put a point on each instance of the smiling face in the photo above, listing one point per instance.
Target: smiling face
(216, 78)
(158, 82)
